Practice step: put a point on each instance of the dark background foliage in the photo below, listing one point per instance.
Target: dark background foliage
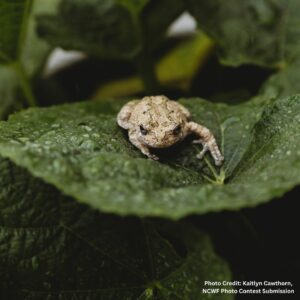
(62, 167)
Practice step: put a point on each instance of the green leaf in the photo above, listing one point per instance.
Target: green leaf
(22, 53)
(102, 28)
(35, 50)
(262, 32)
(86, 155)
(13, 14)
(18, 40)
(117, 29)
(53, 248)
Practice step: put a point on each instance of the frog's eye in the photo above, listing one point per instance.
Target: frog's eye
(143, 130)
(177, 129)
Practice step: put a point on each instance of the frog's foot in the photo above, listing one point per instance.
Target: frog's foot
(152, 156)
(219, 161)
(143, 148)
(204, 150)
(147, 152)
(213, 149)
(215, 153)
(197, 142)
(208, 141)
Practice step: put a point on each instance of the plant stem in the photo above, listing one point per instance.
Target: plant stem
(25, 84)
(219, 178)
(211, 168)
(146, 69)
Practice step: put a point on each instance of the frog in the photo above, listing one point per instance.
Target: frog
(155, 122)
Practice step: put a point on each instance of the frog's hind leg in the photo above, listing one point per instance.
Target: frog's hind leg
(125, 113)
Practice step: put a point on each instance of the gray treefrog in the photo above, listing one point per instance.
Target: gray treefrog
(158, 122)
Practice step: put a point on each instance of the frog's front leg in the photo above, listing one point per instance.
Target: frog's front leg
(133, 137)
(208, 142)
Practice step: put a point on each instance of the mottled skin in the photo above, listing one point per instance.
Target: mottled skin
(157, 122)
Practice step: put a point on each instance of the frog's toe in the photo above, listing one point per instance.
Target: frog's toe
(200, 155)
(197, 142)
(152, 156)
(219, 161)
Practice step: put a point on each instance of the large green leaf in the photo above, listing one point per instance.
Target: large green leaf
(262, 32)
(116, 29)
(86, 155)
(53, 248)
(22, 53)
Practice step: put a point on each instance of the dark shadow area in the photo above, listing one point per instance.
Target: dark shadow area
(260, 243)
(214, 81)
(79, 81)
(220, 83)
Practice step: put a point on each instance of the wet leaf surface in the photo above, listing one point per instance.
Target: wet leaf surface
(86, 155)
(51, 247)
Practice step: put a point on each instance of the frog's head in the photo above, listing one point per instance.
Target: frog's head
(159, 124)
(161, 136)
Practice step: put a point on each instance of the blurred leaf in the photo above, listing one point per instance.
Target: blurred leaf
(283, 83)
(175, 70)
(22, 53)
(34, 49)
(18, 39)
(117, 29)
(13, 14)
(156, 19)
(102, 28)
(53, 248)
(9, 91)
(84, 154)
(251, 32)
(179, 67)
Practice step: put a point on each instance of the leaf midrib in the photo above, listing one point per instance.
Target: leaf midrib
(24, 28)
